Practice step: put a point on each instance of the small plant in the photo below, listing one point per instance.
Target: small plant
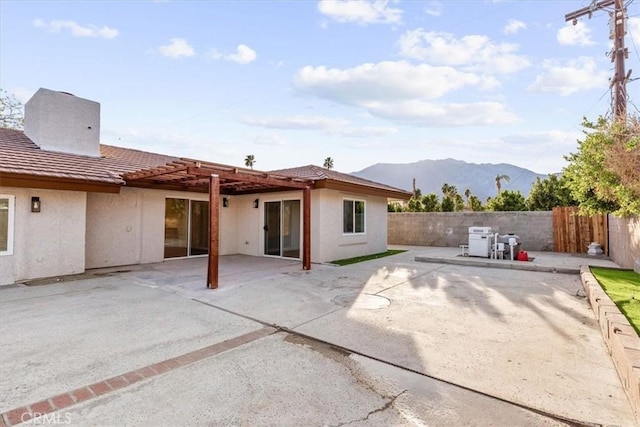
(354, 260)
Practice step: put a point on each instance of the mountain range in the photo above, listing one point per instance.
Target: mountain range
(431, 174)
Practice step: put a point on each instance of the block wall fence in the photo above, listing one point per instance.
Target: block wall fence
(535, 229)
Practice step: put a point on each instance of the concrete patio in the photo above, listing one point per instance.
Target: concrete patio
(386, 342)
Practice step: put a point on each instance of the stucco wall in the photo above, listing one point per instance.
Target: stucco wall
(128, 228)
(336, 245)
(624, 241)
(450, 229)
(49, 243)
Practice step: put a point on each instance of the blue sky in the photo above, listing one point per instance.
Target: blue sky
(294, 82)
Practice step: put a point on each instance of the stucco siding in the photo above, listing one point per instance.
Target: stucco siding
(48, 243)
(128, 228)
(337, 245)
(247, 227)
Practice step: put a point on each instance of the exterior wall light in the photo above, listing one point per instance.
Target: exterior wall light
(256, 203)
(225, 202)
(35, 204)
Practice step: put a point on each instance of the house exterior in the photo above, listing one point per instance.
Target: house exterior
(69, 203)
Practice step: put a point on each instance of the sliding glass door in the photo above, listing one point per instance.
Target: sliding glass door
(282, 228)
(186, 228)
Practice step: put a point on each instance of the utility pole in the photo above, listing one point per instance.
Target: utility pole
(618, 54)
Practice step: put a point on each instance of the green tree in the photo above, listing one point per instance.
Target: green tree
(507, 201)
(414, 205)
(328, 163)
(604, 174)
(11, 111)
(546, 194)
(249, 161)
(476, 204)
(458, 202)
(431, 203)
(394, 207)
(448, 204)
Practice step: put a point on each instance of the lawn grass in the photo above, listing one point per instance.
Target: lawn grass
(623, 287)
(354, 260)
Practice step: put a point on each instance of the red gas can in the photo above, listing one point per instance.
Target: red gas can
(522, 256)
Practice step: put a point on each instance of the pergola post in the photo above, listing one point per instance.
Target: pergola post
(306, 228)
(214, 231)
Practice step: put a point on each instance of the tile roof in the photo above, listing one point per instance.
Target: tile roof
(319, 173)
(20, 155)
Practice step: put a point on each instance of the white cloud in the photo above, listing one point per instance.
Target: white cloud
(421, 113)
(514, 26)
(361, 11)
(328, 125)
(243, 55)
(177, 48)
(272, 139)
(475, 52)
(365, 131)
(434, 8)
(633, 29)
(295, 122)
(573, 76)
(403, 92)
(78, 30)
(388, 81)
(538, 139)
(578, 34)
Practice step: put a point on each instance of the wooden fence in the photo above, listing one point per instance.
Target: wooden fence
(574, 233)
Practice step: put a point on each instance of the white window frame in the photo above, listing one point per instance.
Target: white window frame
(364, 218)
(10, 224)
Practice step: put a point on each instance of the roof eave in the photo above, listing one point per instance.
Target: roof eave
(58, 183)
(362, 189)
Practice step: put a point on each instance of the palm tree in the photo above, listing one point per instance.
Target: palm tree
(449, 190)
(328, 163)
(467, 194)
(500, 178)
(249, 161)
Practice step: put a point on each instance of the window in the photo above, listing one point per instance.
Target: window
(352, 216)
(7, 208)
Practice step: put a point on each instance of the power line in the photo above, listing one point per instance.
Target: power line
(619, 52)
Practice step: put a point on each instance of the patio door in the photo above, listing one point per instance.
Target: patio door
(282, 228)
(186, 228)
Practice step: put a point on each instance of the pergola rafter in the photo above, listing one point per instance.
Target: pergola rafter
(217, 179)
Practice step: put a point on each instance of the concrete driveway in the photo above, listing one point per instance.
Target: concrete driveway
(386, 342)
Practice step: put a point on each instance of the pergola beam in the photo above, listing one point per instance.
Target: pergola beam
(155, 172)
(250, 178)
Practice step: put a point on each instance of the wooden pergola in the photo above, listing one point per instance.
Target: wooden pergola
(217, 179)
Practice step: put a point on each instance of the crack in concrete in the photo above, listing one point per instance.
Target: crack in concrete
(383, 408)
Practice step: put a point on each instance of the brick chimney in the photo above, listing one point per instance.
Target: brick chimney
(59, 121)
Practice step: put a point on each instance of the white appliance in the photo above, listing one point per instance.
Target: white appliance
(480, 241)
